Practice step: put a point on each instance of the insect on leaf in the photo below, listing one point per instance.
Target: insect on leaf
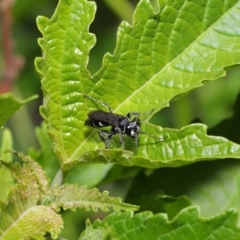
(161, 56)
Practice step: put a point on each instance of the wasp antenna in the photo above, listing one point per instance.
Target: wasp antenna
(147, 114)
(96, 100)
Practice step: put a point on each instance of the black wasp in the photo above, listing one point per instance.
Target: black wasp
(119, 123)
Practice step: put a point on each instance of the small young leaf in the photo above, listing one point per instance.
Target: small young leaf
(33, 223)
(188, 224)
(35, 170)
(9, 105)
(22, 217)
(91, 233)
(72, 197)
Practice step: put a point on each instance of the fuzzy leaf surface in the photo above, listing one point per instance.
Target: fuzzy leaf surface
(188, 224)
(160, 57)
(72, 197)
(33, 223)
(22, 217)
(38, 176)
(32, 205)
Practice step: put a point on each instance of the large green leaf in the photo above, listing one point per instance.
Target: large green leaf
(188, 224)
(184, 146)
(66, 46)
(160, 57)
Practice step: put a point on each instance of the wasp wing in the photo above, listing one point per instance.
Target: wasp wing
(103, 119)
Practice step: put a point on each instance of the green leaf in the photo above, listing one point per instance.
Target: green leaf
(118, 172)
(22, 217)
(35, 222)
(72, 197)
(187, 145)
(160, 57)
(217, 190)
(172, 206)
(91, 233)
(9, 105)
(6, 182)
(31, 201)
(45, 156)
(87, 175)
(38, 175)
(214, 186)
(166, 56)
(188, 224)
(66, 45)
(6, 144)
(160, 203)
(123, 8)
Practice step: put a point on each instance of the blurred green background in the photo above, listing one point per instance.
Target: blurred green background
(210, 104)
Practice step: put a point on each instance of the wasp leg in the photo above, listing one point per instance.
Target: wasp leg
(118, 130)
(106, 137)
(136, 144)
(96, 100)
(122, 139)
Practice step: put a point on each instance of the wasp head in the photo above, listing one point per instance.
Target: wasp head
(133, 128)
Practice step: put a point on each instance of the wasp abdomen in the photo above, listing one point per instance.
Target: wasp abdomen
(95, 123)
